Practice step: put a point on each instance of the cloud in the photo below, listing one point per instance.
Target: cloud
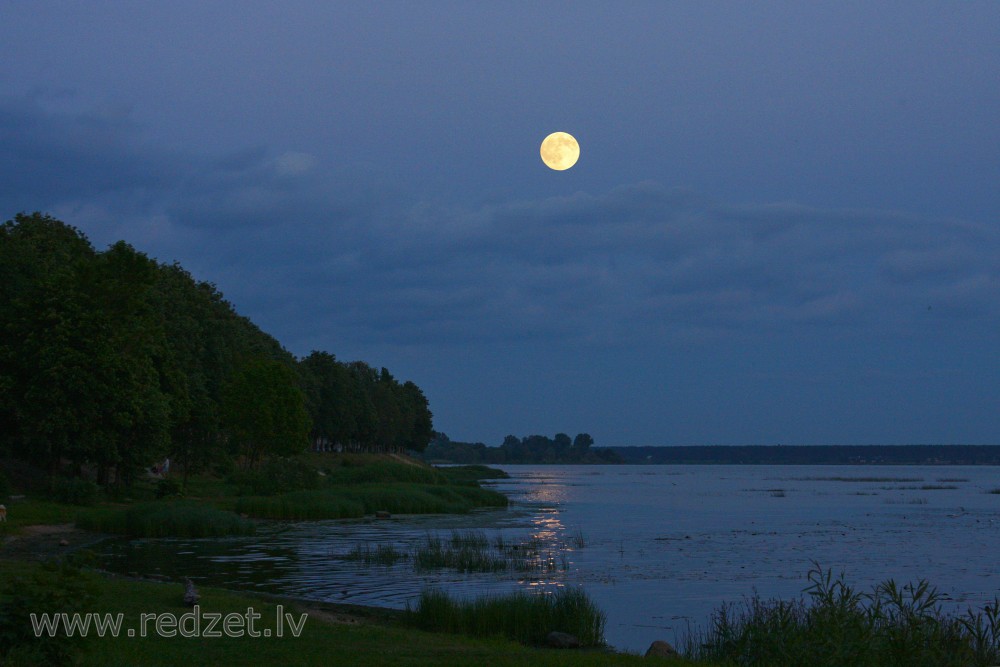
(313, 256)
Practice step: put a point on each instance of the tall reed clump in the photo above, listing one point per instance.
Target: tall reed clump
(166, 519)
(523, 617)
(892, 625)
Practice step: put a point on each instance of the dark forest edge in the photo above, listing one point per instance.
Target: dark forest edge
(514, 450)
(111, 362)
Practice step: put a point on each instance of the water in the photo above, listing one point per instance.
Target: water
(657, 547)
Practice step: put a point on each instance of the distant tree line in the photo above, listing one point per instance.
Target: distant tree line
(815, 455)
(111, 361)
(530, 449)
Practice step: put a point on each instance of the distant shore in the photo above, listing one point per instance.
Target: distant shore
(813, 455)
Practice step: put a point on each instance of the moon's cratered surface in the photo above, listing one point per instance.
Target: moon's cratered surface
(560, 151)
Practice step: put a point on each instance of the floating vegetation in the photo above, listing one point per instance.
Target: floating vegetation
(909, 501)
(995, 492)
(953, 479)
(382, 554)
(776, 493)
(466, 551)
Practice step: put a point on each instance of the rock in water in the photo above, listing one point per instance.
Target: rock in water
(562, 640)
(190, 593)
(661, 649)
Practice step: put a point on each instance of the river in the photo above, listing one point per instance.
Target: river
(657, 547)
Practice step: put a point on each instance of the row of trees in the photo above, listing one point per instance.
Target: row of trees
(110, 361)
(530, 449)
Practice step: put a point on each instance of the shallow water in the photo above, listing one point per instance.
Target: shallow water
(662, 546)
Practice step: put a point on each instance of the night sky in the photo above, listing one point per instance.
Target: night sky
(784, 226)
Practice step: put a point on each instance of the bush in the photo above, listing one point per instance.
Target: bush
(524, 617)
(74, 491)
(51, 587)
(4, 487)
(167, 488)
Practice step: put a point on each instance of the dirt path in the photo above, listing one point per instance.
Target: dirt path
(404, 459)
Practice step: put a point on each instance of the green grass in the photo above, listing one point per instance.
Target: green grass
(524, 617)
(301, 506)
(32, 511)
(357, 500)
(892, 625)
(471, 473)
(370, 644)
(165, 519)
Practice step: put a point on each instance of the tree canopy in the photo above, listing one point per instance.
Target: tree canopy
(111, 361)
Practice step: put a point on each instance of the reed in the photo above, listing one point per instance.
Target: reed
(469, 551)
(837, 625)
(165, 519)
(523, 617)
(382, 554)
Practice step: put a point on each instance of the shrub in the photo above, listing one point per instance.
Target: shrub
(74, 491)
(50, 587)
(4, 487)
(524, 617)
(167, 487)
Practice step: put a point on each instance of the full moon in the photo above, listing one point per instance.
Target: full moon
(560, 151)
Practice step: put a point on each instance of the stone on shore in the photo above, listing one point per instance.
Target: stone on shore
(661, 649)
(562, 640)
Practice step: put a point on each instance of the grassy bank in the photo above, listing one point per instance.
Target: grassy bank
(308, 487)
(331, 635)
(176, 518)
(357, 500)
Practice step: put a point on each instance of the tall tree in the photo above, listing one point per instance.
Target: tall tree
(264, 411)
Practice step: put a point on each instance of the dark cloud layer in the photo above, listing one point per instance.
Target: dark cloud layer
(635, 263)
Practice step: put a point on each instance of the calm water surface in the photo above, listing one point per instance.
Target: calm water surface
(662, 546)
